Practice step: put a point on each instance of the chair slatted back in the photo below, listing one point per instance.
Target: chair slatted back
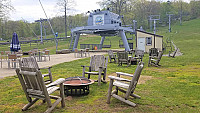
(29, 62)
(122, 55)
(46, 52)
(7, 52)
(12, 56)
(32, 82)
(76, 50)
(97, 61)
(139, 53)
(87, 49)
(153, 52)
(110, 52)
(2, 53)
(135, 79)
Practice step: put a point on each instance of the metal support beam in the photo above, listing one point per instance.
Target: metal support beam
(76, 41)
(154, 28)
(41, 32)
(102, 40)
(125, 42)
(170, 21)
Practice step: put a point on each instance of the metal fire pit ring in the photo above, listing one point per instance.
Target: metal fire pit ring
(77, 86)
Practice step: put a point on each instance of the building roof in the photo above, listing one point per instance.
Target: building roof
(149, 33)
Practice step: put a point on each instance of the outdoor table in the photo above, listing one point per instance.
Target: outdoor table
(40, 55)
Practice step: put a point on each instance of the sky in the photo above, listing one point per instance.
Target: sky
(31, 10)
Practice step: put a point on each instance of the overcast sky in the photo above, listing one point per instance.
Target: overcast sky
(31, 10)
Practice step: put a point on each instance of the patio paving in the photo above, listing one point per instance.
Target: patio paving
(55, 59)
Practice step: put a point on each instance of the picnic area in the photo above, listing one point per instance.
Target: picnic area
(171, 87)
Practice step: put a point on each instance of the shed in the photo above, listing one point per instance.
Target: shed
(146, 40)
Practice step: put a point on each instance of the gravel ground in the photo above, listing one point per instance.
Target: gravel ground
(55, 59)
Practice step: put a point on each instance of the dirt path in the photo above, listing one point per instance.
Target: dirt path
(55, 59)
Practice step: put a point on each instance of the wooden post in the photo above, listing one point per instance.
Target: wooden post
(109, 91)
(62, 95)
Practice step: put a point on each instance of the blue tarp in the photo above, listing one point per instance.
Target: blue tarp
(15, 45)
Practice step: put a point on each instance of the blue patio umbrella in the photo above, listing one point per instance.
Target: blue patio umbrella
(15, 45)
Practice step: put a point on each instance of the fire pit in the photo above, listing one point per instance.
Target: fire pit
(77, 86)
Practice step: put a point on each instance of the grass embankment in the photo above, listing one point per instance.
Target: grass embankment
(175, 86)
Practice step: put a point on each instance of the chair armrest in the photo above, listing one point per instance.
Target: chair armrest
(85, 66)
(46, 68)
(55, 83)
(125, 74)
(119, 79)
(153, 57)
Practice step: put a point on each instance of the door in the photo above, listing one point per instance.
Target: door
(141, 44)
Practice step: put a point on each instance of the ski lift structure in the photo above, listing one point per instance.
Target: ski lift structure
(41, 27)
(102, 23)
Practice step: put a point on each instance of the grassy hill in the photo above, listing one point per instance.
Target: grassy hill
(174, 87)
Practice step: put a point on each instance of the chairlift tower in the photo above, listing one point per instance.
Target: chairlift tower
(169, 15)
(41, 20)
(154, 18)
(102, 23)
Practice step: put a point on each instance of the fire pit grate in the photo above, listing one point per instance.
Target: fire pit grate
(77, 86)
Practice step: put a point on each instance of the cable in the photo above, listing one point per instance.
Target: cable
(29, 27)
(50, 26)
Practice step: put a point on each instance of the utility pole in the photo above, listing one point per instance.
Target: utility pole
(41, 20)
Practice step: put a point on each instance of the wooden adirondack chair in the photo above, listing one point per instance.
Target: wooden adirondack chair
(77, 53)
(123, 58)
(124, 85)
(139, 54)
(173, 53)
(30, 62)
(111, 56)
(12, 59)
(34, 87)
(87, 52)
(46, 54)
(155, 60)
(153, 52)
(98, 66)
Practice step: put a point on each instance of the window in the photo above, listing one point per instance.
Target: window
(148, 41)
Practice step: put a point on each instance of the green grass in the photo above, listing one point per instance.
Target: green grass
(175, 86)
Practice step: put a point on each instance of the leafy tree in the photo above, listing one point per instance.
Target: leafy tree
(65, 5)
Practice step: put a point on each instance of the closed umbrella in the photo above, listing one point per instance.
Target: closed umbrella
(15, 45)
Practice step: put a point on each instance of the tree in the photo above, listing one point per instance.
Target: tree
(66, 5)
(5, 8)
